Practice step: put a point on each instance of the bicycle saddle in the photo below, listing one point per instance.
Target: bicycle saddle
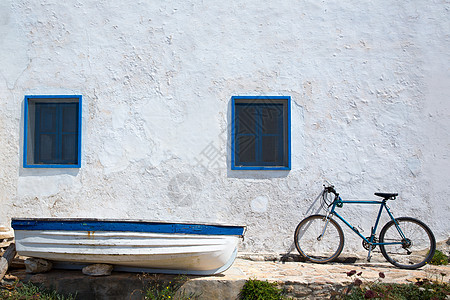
(387, 195)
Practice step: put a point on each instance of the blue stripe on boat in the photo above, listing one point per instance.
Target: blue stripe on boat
(130, 226)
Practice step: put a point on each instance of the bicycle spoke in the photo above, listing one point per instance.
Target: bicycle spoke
(313, 245)
(412, 251)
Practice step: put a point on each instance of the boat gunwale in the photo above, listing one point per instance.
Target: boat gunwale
(124, 221)
(175, 227)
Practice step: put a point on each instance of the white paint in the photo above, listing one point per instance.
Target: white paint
(45, 186)
(112, 157)
(120, 113)
(369, 84)
(259, 204)
(13, 45)
(414, 165)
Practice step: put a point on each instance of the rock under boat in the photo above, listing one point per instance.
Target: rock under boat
(130, 245)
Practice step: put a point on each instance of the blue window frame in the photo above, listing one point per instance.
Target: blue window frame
(260, 133)
(52, 132)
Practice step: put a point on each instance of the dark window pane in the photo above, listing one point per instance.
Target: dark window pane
(260, 132)
(246, 149)
(271, 117)
(271, 149)
(53, 127)
(69, 118)
(246, 120)
(47, 147)
(47, 118)
(69, 148)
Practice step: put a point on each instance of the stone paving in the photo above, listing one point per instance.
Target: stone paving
(304, 280)
(301, 280)
(305, 272)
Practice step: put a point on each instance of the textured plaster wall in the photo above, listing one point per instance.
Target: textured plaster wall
(370, 88)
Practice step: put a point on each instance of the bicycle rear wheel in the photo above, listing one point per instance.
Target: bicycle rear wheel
(415, 250)
(311, 245)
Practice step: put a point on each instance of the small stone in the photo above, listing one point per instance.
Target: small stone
(98, 270)
(289, 289)
(256, 258)
(10, 277)
(37, 265)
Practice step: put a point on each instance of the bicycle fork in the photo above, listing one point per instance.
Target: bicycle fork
(324, 227)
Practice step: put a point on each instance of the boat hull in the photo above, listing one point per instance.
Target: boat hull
(181, 253)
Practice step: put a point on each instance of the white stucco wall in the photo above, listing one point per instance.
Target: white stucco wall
(370, 88)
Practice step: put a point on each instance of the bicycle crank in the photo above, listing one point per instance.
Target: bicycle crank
(366, 244)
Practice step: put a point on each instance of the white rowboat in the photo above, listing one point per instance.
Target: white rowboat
(141, 246)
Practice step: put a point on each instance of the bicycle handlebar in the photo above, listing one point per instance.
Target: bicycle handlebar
(330, 189)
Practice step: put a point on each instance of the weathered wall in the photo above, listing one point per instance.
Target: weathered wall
(369, 83)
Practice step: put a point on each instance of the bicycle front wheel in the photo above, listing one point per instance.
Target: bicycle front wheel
(410, 250)
(315, 246)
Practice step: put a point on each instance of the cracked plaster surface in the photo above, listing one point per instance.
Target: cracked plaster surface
(369, 84)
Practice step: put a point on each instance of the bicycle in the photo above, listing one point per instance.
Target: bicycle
(405, 242)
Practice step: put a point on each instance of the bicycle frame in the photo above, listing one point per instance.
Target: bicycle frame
(404, 242)
(370, 241)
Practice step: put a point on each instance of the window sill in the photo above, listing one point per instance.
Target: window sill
(260, 168)
(53, 166)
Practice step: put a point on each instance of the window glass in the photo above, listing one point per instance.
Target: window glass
(260, 134)
(52, 131)
(246, 148)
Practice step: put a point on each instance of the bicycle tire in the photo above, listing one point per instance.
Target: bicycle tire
(416, 250)
(319, 251)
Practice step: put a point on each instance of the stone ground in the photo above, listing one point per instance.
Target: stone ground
(302, 280)
(308, 280)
